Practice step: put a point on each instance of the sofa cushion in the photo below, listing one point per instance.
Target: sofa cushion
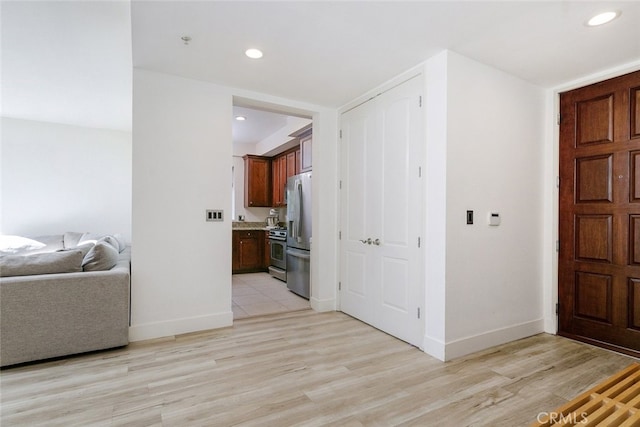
(71, 239)
(16, 244)
(43, 263)
(52, 243)
(121, 242)
(95, 238)
(102, 256)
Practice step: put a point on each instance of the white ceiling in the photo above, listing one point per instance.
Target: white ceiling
(330, 52)
(70, 62)
(258, 125)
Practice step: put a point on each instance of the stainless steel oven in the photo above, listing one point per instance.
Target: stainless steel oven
(278, 249)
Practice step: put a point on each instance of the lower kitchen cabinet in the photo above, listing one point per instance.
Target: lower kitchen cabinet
(248, 251)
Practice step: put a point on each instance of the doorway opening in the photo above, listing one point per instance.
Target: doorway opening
(271, 147)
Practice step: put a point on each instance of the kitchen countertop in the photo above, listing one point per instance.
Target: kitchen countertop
(247, 226)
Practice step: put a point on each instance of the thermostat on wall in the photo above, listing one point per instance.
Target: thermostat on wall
(494, 218)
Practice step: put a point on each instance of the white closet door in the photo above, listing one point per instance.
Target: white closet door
(381, 200)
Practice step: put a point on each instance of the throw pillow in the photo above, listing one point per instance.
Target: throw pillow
(44, 263)
(15, 244)
(102, 256)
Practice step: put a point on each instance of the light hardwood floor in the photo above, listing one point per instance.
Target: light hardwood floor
(301, 368)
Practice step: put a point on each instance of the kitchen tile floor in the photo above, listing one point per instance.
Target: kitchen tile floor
(256, 294)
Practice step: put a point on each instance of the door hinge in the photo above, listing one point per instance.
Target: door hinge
(420, 101)
(418, 312)
(418, 241)
(557, 245)
(340, 184)
(339, 235)
(557, 308)
(557, 182)
(340, 133)
(559, 118)
(419, 171)
(339, 286)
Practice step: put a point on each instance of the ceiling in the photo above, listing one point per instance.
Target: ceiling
(330, 52)
(257, 126)
(70, 62)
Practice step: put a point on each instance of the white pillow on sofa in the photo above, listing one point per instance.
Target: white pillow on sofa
(15, 244)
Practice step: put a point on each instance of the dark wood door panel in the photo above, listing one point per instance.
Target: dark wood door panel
(594, 120)
(594, 178)
(634, 107)
(599, 259)
(594, 238)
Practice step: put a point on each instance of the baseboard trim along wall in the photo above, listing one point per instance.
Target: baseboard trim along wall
(321, 305)
(174, 327)
(468, 345)
(465, 346)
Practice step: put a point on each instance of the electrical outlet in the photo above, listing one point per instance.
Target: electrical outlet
(214, 215)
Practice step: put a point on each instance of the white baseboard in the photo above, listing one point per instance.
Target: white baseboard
(468, 345)
(322, 305)
(434, 347)
(185, 325)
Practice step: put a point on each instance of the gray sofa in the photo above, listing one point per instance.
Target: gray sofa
(50, 315)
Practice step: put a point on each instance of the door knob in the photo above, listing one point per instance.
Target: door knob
(376, 242)
(367, 242)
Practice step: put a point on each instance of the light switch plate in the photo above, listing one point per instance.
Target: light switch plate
(215, 215)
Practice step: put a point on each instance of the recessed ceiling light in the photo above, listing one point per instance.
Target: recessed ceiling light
(602, 18)
(241, 118)
(253, 53)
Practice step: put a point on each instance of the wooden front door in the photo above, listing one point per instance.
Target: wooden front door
(599, 257)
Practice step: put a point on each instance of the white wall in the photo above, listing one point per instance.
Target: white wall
(495, 143)
(436, 204)
(182, 156)
(58, 178)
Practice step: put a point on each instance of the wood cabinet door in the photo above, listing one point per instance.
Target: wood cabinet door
(235, 251)
(599, 257)
(267, 251)
(279, 179)
(305, 153)
(251, 250)
(291, 164)
(257, 185)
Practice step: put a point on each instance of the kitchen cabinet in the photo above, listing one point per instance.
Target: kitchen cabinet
(257, 181)
(279, 179)
(248, 248)
(305, 152)
(305, 136)
(283, 166)
(267, 252)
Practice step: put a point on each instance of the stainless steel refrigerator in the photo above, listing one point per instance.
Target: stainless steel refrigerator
(299, 234)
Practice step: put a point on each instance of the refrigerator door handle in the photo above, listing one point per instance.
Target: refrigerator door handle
(299, 254)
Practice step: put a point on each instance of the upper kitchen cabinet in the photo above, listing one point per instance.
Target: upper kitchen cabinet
(305, 137)
(257, 181)
(279, 180)
(283, 166)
